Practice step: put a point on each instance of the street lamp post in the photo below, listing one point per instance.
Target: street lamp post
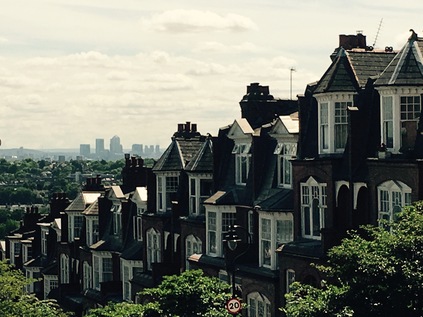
(232, 241)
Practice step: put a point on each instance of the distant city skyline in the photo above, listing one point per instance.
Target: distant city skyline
(71, 71)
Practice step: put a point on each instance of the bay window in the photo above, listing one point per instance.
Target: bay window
(275, 229)
(218, 221)
(399, 116)
(102, 268)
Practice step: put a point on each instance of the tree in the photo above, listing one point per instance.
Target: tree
(15, 302)
(190, 294)
(376, 273)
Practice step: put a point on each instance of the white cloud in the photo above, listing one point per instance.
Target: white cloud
(216, 47)
(191, 21)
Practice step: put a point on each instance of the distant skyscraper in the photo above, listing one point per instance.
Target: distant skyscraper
(99, 147)
(115, 146)
(157, 149)
(137, 149)
(84, 150)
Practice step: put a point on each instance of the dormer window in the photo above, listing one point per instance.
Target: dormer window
(117, 219)
(400, 114)
(333, 122)
(285, 152)
(167, 186)
(242, 162)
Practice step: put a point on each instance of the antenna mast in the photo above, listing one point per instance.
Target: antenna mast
(377, 33)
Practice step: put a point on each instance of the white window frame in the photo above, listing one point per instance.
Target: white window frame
(87, 281)
(275, 228)
(290, 278)
(218, 219)
(196, 196)
(313, 193)
(50, 282)
(64, 268)
(193, 245)
(154, 247)
(391, 113)
(127, 274)
(285, 151)
(332, 117)
(258, 305)
(15, 249)
(44, 233)
(165, 188)
(137, 229)
(73, 230)
(392, 197)
(92, 229)
(102, 268)
(242, 153)
(26, 252)
(116, 211)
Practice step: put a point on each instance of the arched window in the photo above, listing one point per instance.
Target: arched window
(153, 247)
(392, 196)
(87, 275)
(313, 208)
(64, 269)
(258, 305)
(193, 245)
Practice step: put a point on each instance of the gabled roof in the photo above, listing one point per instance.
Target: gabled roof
(351, 70)
(92, 210)
(179, 154)
(241, 128)
(203, 159)
(286, 125)
(116, 193)
(82, 201)
(140, 194)
(407, 66)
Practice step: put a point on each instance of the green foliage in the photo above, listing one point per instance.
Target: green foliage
(119, 310)
(14, 302)
(190, 294)
(378, 273)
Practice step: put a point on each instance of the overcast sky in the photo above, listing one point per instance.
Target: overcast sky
(72, 71)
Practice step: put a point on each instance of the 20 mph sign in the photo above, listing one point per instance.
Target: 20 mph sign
(233, 306)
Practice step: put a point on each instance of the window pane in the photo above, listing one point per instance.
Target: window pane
(316, 218)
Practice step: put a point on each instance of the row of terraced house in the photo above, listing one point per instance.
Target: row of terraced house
(295, 174)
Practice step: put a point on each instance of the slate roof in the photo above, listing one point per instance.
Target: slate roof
(92, 210)
(407, 66)
(178, 154)
(203, 159)
(277, 200)
(351, 69)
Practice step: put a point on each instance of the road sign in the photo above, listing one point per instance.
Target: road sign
(233, 306)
